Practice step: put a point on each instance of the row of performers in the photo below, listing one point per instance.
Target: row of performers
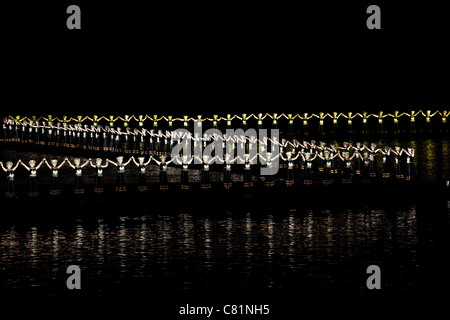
(88, 138)
(97, 138)
(329, 171)
(146, 142)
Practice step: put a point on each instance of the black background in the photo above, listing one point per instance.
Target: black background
(221, 57)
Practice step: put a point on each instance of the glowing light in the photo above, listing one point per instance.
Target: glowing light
(127, 119)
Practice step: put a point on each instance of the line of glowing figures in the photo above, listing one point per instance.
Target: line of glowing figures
(357, 164)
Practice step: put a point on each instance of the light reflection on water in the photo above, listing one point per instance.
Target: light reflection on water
(431, 156)
(182, 252)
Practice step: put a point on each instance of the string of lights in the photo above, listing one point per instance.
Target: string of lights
(397, 151)
(95, 119)
(323, 163)
(134, 141)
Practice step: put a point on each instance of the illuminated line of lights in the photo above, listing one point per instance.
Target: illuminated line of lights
(174, 136)
(243, 117)
(260, 155)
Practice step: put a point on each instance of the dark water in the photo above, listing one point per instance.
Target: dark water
(145, 257)
(248, 256)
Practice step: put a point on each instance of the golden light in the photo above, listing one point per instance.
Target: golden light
(291, 121)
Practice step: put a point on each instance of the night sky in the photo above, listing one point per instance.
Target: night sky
(224, 58)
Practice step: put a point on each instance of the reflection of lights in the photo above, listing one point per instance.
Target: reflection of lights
(229, 228)
(79, 236)
(101, 239)
(207, 226)
(55, 243)
(270, 224)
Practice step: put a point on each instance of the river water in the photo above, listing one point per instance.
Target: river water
(261, 256)
(243, 255)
